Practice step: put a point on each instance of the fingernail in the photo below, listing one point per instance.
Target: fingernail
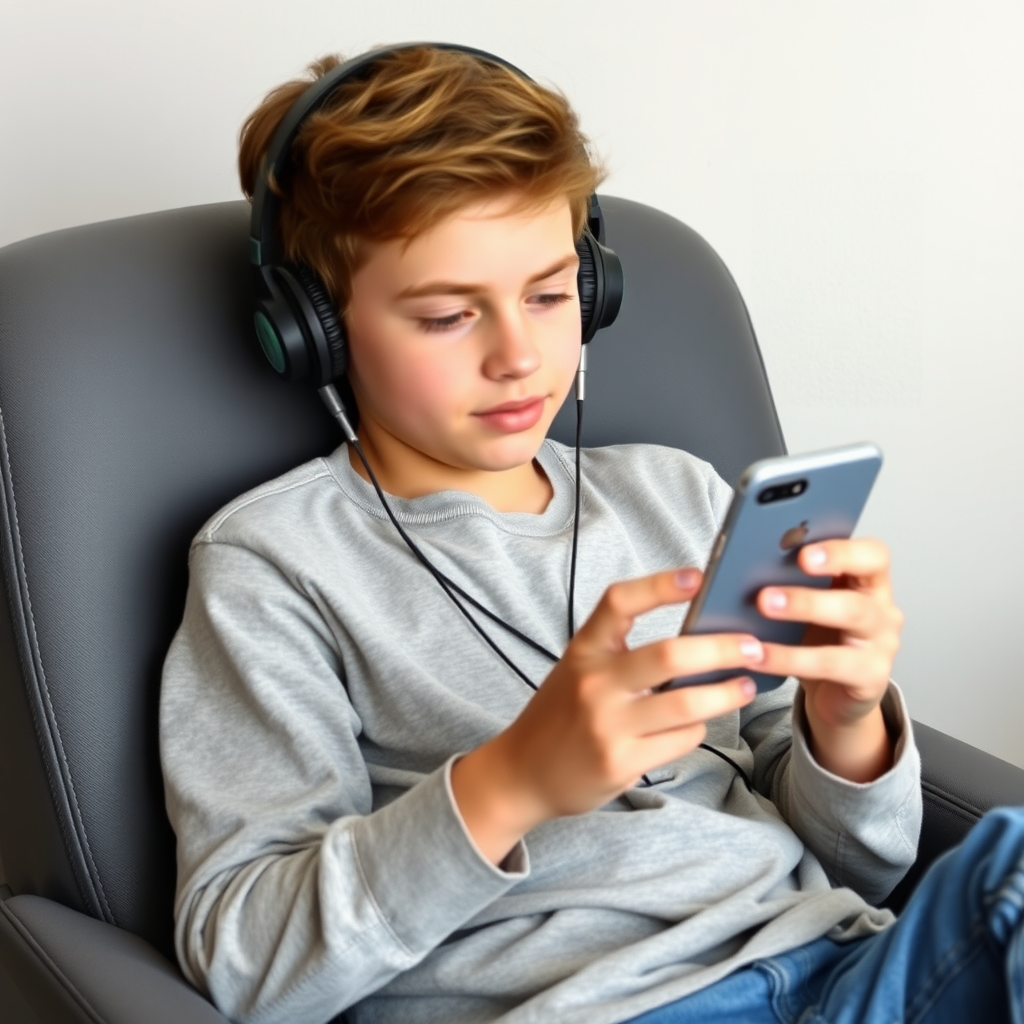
(687, 579)
(775, 599)
(816, 557)
(748, 688)
(752, 649)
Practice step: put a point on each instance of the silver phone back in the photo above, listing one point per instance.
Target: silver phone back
(758, 543)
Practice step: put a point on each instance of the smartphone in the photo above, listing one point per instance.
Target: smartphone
(779, 505)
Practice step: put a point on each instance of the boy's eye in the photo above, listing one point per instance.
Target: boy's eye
(442, 323)
(552, 299)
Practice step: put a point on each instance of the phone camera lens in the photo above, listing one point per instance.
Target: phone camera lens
(780, 492)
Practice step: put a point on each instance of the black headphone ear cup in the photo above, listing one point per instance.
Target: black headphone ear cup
(599, 283)
(586, 284)
(331, 324)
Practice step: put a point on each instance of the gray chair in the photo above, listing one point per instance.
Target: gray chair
(133, 403)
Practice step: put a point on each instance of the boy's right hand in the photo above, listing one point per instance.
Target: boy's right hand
(597, 724)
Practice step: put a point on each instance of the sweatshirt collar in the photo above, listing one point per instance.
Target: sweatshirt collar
(446, 506)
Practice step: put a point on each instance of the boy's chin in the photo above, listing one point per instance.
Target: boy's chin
(507, 461)
(509, 454)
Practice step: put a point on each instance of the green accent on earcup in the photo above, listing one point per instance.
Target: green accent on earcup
(269, 341)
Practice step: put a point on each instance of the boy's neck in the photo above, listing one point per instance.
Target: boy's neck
(523, 488)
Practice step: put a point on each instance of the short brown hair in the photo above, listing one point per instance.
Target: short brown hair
(393, 153)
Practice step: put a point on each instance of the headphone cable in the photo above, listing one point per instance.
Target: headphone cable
(575, 520)
(333, 402)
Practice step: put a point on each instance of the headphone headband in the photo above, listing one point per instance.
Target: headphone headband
(296, 322)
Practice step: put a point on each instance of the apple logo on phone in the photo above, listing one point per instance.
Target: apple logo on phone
(794, 536)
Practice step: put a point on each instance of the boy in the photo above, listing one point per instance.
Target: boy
(373, 811)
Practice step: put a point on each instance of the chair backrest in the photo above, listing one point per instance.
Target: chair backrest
(133, 403)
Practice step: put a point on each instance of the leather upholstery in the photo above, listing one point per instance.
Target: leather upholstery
(75, 968)
(134, 402)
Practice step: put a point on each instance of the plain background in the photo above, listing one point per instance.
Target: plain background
(857, 163)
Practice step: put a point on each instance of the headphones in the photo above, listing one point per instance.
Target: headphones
(296, 321)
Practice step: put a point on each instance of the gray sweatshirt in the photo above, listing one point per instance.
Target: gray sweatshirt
(321, 686)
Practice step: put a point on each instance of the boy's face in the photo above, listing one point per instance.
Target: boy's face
(463, 344)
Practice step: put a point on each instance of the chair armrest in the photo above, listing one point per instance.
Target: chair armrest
(959, 784)
(67, 968)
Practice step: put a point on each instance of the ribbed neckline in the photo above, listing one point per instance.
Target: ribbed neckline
(447, 506)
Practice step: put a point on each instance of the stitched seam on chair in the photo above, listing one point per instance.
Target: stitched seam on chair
(950, 802)
(51, 732)
(48, 962)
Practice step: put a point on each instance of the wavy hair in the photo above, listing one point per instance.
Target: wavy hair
(394, 152)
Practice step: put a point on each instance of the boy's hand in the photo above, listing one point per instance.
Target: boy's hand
(845, 661)
(596, 725)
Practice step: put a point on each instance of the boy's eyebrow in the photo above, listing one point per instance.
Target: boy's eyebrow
(464, 288)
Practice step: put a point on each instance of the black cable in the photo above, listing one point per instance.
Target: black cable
(539, 648)
(451, 588)
(443, 580)
(725, 757)
(572, 564)
(575, 521)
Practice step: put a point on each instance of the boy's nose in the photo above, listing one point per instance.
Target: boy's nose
(512, 351)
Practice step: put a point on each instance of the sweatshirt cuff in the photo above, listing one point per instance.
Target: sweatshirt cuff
(516, 864)
(897, 724)
(421, 867)
(838, 803)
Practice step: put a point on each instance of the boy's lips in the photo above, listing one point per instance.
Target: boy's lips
(512, 417)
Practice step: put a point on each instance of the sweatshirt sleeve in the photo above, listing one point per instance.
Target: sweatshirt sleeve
(296, 897)
(864, 834)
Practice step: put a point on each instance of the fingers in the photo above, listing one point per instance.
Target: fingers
(859, 667)
(622, 603)
(646, 668)
(859, 604)
(688, 707)
(857, 614)
(864, 559)
(854, 626)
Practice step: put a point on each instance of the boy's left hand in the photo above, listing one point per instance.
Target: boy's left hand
(845, 660)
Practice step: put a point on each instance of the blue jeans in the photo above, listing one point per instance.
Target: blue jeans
(955, 956)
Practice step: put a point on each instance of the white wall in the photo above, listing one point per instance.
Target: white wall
(858, 163)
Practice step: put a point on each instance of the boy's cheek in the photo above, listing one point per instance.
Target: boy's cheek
(436, 390)
(404, 383)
